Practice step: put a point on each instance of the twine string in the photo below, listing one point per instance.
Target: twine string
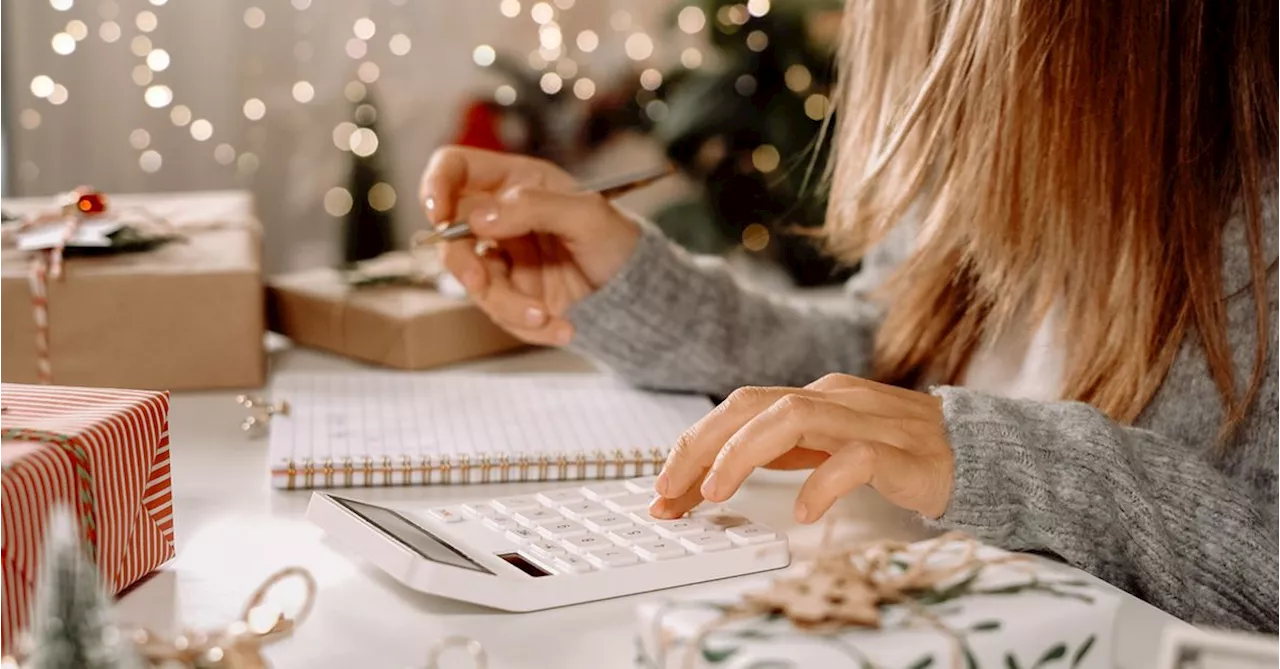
(847, 583)
(48, 264)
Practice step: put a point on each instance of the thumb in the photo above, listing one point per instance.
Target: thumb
(574, 217)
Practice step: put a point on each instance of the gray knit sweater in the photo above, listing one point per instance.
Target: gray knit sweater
(1146, 507)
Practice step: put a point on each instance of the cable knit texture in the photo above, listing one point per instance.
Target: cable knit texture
(1150, 507)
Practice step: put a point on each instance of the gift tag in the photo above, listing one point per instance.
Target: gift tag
(88, 234)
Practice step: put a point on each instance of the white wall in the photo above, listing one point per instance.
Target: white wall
(217, 63)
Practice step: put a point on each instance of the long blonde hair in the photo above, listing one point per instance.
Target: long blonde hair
(1084, 153)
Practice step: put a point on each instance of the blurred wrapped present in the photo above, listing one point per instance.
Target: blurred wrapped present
(102, 453)
(389, 311)
(949, 602)
(161, 292)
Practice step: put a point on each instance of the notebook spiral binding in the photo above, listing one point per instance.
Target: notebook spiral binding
(407, 470)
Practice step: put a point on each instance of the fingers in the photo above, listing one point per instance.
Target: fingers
(451, 172)
(518, 211)
(460, 259)
(523, 316)
(799, 458)
(663, 507)
(696, 449)
(846, 470)
(454, 171)
(794, 420)
(835, 381)
(526, 266)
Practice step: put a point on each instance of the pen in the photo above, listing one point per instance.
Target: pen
(609, 188)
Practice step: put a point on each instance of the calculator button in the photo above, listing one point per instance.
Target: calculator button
(613, 557)
(706, 542)
(501, 524)
(587, 543)
(546, 549)
(722, 519)
(534, 517)
(660, 550)
(547, 563)
(607, 522)
(583, 510)
(523, 535)
(603, 491)
(679, 528)
(633, 502)
(480, 511)
(562, 529)
(750, 534)
(558, 497)
(632, 535)
(516, 503)
(445, 515)
(643, 484)
(643, 517)
(572, 564)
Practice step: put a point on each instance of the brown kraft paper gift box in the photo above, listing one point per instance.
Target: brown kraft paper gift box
(397, 326)
(188, 315)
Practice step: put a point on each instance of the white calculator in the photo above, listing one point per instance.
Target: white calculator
(552, 548)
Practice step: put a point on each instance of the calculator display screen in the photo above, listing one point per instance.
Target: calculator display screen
(410, 535)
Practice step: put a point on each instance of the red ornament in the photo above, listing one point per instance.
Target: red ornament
(481, 127)
(92, 203)
(84, 201)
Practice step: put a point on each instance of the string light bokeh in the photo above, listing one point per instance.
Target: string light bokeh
(576, 49)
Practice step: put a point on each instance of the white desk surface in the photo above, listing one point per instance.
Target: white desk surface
(233, 531)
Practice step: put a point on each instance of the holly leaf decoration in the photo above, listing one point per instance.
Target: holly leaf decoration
(718, 655)
(1057, 652)
(1082, 651)
(926, 661)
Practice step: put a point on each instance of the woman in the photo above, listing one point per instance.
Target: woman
(1062, 337)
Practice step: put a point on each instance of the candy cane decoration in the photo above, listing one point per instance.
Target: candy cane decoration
(38, 278)
(77, 205)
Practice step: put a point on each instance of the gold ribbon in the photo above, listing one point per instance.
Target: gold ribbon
(239, 644)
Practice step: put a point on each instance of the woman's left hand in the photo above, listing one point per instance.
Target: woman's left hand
(851, 431)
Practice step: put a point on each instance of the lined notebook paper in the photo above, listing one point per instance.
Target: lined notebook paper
(376, 428)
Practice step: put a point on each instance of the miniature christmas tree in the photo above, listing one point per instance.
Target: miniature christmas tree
(369, 228)
(72, 624)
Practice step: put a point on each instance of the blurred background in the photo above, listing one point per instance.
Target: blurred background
(328, 110)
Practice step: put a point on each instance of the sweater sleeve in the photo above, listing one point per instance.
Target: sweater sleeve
(671, 321)
(1138, 509)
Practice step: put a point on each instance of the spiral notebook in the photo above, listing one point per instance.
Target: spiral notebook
(385, 428)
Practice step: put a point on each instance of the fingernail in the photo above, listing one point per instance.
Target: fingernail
(802, 512)
(429, 203)
(658, 508)
(485, 213)
(660, 485)
(709, 486)
(533, 316)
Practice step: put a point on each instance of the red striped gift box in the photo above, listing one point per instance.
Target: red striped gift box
(102, 453)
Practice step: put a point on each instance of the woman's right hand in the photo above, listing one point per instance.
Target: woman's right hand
(550, 245)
